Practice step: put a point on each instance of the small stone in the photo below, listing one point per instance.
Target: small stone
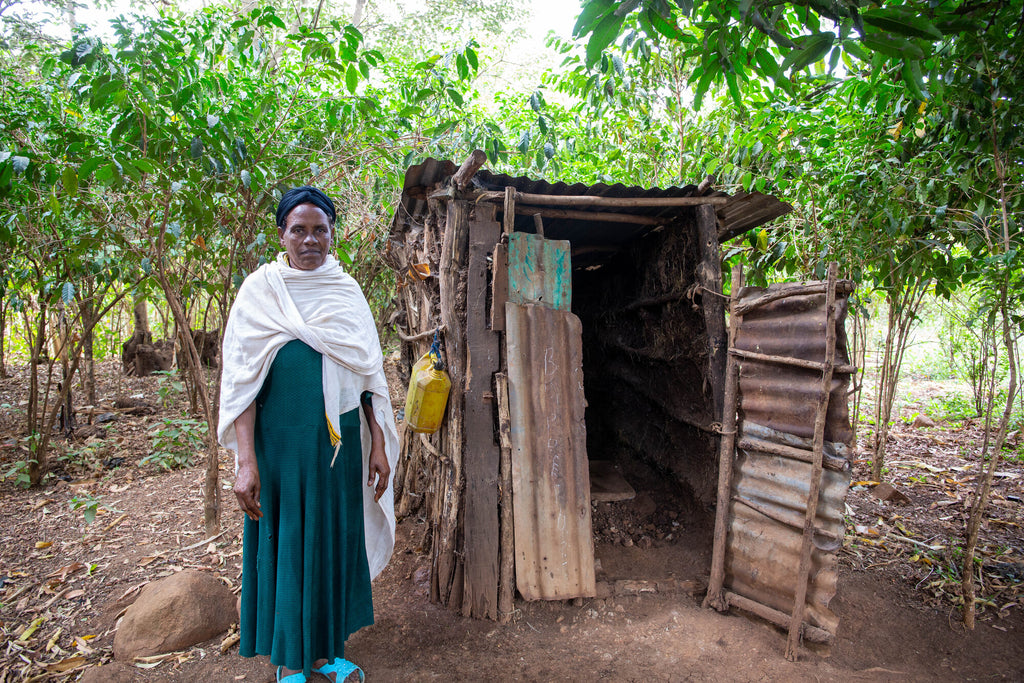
(923, 420)
(889, 493)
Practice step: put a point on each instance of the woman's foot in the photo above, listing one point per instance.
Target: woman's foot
(290, 675)
(339, 671)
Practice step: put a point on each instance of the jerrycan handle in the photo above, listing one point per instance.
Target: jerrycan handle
(435, 351)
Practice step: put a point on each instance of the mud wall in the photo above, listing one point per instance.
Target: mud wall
(645, 351)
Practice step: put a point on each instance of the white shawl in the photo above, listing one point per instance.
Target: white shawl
(326, 309)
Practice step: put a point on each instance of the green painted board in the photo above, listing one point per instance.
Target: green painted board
(539, 271)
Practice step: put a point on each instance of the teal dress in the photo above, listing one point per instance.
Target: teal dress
(305, 577)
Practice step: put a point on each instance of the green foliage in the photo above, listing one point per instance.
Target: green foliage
(88, 504)
(19, 473)
(168, 387)
(174, 442)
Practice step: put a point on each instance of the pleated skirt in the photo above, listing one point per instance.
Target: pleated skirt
(305, 577)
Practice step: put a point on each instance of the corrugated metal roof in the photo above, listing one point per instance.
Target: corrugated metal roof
(550, 472)
(594, 237)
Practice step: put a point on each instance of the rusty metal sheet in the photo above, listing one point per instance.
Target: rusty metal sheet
(784, 397)
(539, 271)
(769, 500)
(554, 546)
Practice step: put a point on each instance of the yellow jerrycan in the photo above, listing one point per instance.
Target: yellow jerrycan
(428, 392)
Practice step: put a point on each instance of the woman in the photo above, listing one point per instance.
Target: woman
(305, 407)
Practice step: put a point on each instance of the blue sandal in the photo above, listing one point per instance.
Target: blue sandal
(342, 667)
(297, 677)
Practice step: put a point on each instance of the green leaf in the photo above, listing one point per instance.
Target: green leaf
(549, 150)
(592, 12)
(69, 179)
(87, 167)
(912, 77)
(889, 45)
(524, 142)
(604, 33)
(665, 27)
(212, 120)
(246, 178)
(472, 58)
(902, 21)
(734, 90)
(67, 293)
(351, 78)
(811, 49)
(19, 163)
(619, 67)
(535, 101)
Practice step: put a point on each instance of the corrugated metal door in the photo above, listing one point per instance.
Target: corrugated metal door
(784, 467)
(554, 547)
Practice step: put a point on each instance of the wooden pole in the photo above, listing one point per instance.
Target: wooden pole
(590, 200)
(509, 220)
(464, 176)
(716, 594)
(843, 286)
(789, 360)
(593, 216)
(506, 568)
(811, 513)
(447, 568)
(709, 275)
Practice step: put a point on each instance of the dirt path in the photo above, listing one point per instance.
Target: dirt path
(897, 620)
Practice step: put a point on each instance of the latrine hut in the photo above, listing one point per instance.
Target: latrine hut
(578, 323)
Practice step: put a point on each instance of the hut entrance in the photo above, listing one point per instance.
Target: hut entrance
(584, 330)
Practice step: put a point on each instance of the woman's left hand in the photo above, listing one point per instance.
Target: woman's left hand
(380, 468)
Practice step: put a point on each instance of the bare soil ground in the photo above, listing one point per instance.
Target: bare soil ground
(897, 594)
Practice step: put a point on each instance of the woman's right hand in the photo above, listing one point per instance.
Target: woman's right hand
(247, 491)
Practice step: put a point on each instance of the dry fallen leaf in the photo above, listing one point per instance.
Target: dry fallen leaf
(43, 544)
(67, 664)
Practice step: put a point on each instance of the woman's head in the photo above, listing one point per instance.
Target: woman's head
(305, 224)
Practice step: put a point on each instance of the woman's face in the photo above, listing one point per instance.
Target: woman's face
(306, 236)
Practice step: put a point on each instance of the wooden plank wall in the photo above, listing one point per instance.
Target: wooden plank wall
(481, 454)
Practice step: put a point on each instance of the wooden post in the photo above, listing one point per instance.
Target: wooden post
(507, 555)
(811, 513)
(446, 561)
(509, 219)
(480, 523)
(538, 224)
(709, 275)
(727, 453)
(499, 286)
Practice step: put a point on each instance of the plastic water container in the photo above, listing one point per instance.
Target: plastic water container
(428, 394)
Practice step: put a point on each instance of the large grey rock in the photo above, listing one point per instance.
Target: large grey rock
(174, 613)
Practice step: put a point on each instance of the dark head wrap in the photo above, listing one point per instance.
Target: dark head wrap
(304, 195)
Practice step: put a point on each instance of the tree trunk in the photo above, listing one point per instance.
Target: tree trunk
(211, 484)
(903, 305)
(37, 466)
(985, 483)
(140, 313)
(357, 13)
(88, 372)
